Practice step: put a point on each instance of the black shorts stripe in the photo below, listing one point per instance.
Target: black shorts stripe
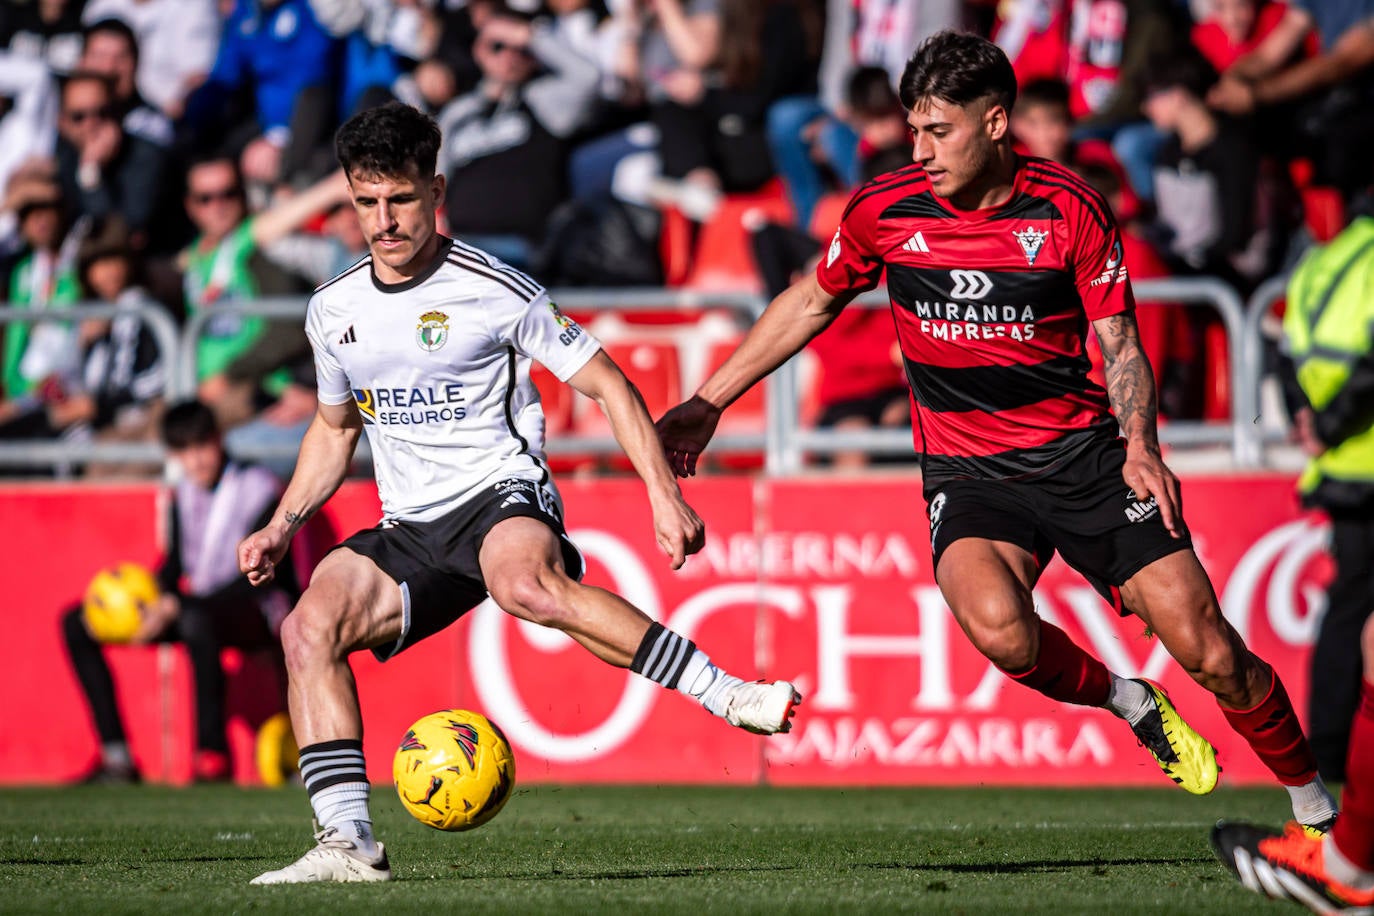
(997, 388)
(468, 253)
(362, 262)
(491, 275)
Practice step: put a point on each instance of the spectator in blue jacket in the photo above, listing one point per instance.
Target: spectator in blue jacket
(278, 48)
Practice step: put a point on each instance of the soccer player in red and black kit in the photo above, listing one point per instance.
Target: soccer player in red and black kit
(996, 265)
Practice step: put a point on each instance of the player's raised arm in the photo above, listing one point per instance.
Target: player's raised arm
(321, 467)
(679, 530)
(1131, 390)
(790, 322)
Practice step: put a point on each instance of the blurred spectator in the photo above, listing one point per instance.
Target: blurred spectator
(1234, 28)
(102, 169)
(176, 41)
(317, 256)
(44, 275)
(237, 359)
(1167, 333)
(113, 390)
(877, 117)
(111, 50)
(810, 137)
(1330, 363)
(275, 49)
(505, 143)
(1333, 91)
(46, 30)
(1217, 214)
(28, 115)
(1041, 121)
(204, 602)
(862, 377)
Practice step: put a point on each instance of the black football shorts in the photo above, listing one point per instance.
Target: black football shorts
(436, 563)
(1084, 510)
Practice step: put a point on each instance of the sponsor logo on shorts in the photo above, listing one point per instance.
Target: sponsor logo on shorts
(1140, 510)
(936, 509)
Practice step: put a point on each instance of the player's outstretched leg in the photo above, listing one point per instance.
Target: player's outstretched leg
(762, 707)
(1065, 672)
(1292, 865)
(521, 567)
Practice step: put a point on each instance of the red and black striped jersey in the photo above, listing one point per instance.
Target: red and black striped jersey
(992, 309)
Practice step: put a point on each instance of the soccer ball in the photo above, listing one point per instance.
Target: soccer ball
(117, 600)
(454, 770)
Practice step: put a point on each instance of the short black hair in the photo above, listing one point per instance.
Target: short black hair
(869, 92)
(958, 68)
(1048, 91)
(1184, 69)
(189, 423)
(111, 26)
(388, 140)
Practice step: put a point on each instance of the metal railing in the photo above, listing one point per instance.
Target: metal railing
(784, 441)
(64, 453)
(796, 441)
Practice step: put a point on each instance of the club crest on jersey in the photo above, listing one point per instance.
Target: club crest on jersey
(432, 331)
(1031, 239)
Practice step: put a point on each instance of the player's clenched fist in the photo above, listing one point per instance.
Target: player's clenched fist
(260, 552)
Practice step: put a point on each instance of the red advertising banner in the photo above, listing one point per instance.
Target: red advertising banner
(825, 581)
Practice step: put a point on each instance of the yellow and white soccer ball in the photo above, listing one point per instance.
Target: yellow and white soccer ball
(117, 600)
(454, 770)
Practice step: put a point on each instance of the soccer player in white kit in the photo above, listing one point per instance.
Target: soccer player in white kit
(426, 345)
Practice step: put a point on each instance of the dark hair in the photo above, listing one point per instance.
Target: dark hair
(111, 26)
(215, 158)
(1048, 91)
(388, 140)
(869, 93)
(107, 237)
(958, 68)
(1184, 69)
(87, 76)
(1100, 177)
(189, 423)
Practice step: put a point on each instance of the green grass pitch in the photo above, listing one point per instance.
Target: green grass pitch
(643, 850)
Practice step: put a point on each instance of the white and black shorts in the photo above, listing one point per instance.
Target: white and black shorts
(436, 563)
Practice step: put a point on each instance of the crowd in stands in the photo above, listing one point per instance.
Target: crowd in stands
(179, 152)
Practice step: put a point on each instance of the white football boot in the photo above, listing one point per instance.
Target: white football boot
(762, 707)
(333, 859)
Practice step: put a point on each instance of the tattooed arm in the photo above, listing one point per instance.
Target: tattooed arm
(1131, 390)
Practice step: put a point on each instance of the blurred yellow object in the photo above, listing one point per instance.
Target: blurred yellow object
(117, 600)
(278, 756)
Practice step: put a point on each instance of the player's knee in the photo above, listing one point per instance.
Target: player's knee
(310, 634)
(539, 596)
(1010, 647)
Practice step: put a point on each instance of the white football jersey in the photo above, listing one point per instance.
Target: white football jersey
(440, 369)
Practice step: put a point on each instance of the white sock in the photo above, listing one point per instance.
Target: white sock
(344, 807)
(115, 755)
(1312, 803)
(1342, 869)
(1131, 700)
(706, 683)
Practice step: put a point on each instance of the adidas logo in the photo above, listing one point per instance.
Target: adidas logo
(513, 499)
(917, 243)
(349, 336)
